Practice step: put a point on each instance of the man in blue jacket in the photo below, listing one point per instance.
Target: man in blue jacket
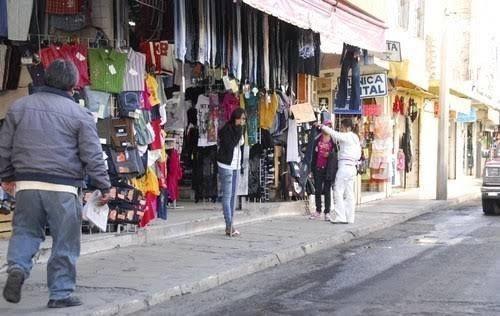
(48, 144)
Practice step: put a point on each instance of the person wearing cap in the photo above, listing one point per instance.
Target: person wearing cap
(324, 168)
(348, 157)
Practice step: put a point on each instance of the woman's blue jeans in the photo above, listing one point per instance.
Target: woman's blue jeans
(229, 182)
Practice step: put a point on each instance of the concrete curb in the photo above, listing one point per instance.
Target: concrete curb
(277, 258)
(152, 234)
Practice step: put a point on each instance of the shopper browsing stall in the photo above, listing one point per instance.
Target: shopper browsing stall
(229, 158)
(324, 168)
(348, 156)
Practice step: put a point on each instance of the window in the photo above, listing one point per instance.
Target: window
(404, 12)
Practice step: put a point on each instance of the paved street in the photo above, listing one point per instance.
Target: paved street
(446, 263)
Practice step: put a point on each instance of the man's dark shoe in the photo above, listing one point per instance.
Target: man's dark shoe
(65, 302)
(13, 286)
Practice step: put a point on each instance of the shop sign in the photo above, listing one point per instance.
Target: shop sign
(393, 52)
(373, 85)
(467, 118)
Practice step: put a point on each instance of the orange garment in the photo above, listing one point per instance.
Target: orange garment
(267, 110)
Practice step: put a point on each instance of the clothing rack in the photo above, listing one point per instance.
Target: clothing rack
(54, 38)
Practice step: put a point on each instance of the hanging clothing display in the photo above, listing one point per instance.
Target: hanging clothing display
(207, 121)
(135, 71)
(252, 109)
(174, 172)
(175, 113)
(268, 105)
(107, 68)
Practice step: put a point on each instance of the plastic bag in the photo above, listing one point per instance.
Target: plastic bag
(95, 214)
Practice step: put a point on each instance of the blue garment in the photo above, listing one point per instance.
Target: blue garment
(350, 57)
(162, 203)
(63, 213)
(3, 18)
(229, 183)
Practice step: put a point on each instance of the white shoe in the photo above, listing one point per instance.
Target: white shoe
(328, 218)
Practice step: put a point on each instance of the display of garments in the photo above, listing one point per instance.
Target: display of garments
(107, 68)
(180, 29)
(37, 73)
(143, 129)
(176, 113)
(159, 56)
(252, 109)
(128, 103)
(205, 172)
(406, 144)
(135, 71)
(207, 122)
(268, 105)
(63, 6)
(229, 103)
(97, 102)
(152, 87)
(174, 171)
(150, 211)
(350, 58)
(401, 163)
(18, 19)
(3, 18)
(292, 151)
(159, 135)
(3, 64)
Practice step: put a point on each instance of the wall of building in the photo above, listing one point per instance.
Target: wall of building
(428, 149)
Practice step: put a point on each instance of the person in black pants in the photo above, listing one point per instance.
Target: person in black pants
(324, 168)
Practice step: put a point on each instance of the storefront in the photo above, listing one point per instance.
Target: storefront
(164, 76)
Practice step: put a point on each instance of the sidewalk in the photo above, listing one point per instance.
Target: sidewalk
(129, 279)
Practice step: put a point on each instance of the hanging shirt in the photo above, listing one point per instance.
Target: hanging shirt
(252, 108)
(267, 110)
(229, 104)
(292, 140)
(18, 19)
(206, 127)
(350, 147)
(107, 68)
(3, 18)
(176, 113)
(135, 71)
(159, 56)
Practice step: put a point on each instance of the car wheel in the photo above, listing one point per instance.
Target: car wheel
(490, 207)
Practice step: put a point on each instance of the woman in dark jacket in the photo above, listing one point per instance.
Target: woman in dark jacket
(324, 167)
(229, 158)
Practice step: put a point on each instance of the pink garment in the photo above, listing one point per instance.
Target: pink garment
(229, 104)
(145, 104)
(323, 149)
(401, 161)
(174, 174)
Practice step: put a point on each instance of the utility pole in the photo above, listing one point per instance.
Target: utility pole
(442, 154)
